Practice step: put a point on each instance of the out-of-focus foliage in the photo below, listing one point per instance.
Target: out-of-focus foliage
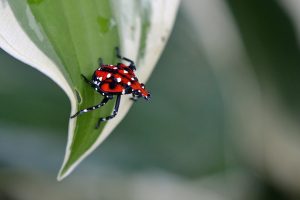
(272, 45)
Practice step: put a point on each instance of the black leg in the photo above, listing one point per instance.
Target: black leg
(132, 65)
(87, 80)
(135, 96)
(90, 83)
(100, 62)
(103, 102)
(134, 99)
(115, 112)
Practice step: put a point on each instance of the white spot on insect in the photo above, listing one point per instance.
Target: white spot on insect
(132, 78)
(123, 91)
(128, 83)
(119, 80)
(125, 71)
(108, 75)
(94, 108)
(85, 110)
(139, 91)
(115, 68)
(100, 78)
(143, 86)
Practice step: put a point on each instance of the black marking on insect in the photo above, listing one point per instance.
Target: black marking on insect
(114, 80)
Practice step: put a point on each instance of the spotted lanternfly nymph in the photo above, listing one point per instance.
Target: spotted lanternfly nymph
(114, 80)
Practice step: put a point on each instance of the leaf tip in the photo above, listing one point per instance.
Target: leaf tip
(62, 174)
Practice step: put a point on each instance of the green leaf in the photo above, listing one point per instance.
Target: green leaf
(64, 39)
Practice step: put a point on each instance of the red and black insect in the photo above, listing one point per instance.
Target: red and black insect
(114, 80)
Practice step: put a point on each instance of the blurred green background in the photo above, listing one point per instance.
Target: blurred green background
(201, 137)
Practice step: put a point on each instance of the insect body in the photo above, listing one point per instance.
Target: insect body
(115, 80)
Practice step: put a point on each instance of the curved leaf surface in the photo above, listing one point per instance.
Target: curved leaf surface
(64, 39)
